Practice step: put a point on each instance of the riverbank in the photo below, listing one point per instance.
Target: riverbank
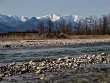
(47, 43)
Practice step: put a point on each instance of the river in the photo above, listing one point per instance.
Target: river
(19, 55)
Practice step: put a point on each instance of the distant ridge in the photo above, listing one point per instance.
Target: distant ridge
(54, 23)
(22, 23)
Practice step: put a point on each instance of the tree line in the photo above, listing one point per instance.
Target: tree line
(87, 26)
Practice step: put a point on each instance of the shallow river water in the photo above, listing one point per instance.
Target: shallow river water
(19, 55)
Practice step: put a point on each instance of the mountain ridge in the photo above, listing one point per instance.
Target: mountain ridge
(22, 23)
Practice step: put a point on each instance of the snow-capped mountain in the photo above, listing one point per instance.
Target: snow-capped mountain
(52, 17)
(10, 23)
(23, 18)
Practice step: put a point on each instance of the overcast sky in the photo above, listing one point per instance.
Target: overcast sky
(62, 7)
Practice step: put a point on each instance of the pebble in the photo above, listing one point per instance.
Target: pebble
(103, 54)
(1, 77)
(38, 72)
(53, 65)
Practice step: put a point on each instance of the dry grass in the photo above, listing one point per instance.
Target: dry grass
(90, 37)
(36, 36)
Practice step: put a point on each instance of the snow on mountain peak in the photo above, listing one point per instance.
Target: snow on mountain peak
(24, 19)
(54, 17)
(42, 17)
(9, 15)
(76, 18)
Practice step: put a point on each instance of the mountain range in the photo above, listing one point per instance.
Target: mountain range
(10, 23)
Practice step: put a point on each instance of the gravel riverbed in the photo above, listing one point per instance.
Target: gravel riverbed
(81, 69)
